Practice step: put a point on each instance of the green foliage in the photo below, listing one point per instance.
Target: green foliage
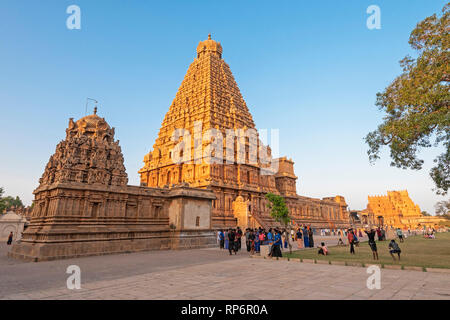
(424, 213)
(279, 210)
(416, 103)
(7, 202)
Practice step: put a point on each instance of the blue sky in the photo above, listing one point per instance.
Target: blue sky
(310, 68)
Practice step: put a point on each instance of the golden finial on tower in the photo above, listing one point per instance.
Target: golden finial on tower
(209, 36)
(95, 110)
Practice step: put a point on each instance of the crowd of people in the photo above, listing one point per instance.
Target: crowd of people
(381, 234)
(277, 239)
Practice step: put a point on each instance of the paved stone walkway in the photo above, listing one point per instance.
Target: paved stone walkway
(210, 274)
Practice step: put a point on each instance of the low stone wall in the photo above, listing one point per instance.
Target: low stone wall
(108, 220)
(156, 241)
(189, 239)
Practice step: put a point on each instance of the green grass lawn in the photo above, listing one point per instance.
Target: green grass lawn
(416, 251)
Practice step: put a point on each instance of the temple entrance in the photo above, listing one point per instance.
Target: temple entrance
(242, 212)
(380, 221)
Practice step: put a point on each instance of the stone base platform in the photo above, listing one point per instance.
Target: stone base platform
(63, 250)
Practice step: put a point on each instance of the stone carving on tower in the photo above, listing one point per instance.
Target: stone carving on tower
(89, 155)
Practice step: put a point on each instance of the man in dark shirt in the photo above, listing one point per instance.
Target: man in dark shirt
(394, 248)
(231, 244)
(247, 240)
(238, 238)
(221, 239)
(371, 234)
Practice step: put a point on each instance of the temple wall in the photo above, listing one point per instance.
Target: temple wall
(197, 215)
(73, 220)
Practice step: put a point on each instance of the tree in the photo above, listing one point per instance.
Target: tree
(280, 212)
(416, 104)
(424, 213)
(442, 207)
(2, 205)
(7, 202)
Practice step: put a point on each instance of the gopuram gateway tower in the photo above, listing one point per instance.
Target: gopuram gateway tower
(207, 107)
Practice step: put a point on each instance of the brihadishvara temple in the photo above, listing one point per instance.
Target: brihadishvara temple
(84, 205)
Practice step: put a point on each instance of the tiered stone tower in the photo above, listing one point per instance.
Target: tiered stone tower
(89, 155)
(209, 95)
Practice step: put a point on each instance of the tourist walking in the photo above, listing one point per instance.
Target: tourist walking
(350, 237)
(10, 239)
(379, 234)
(221, 239)
(247, 240)
(311, 237)
(231, 242)
(227, 241)
(373, 246)
(400, 234)
(257, 242)
(276, 251)
(262, 237)
(355, 239)
(305, 237)
(238, 239)
(252, 242)
(285, 238)
(299, 239)
(383, 234)
(270, 237)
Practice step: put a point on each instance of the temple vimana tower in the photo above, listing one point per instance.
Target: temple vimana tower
(210, 104)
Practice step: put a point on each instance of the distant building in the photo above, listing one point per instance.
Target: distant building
(397, 210)
(11, 222)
